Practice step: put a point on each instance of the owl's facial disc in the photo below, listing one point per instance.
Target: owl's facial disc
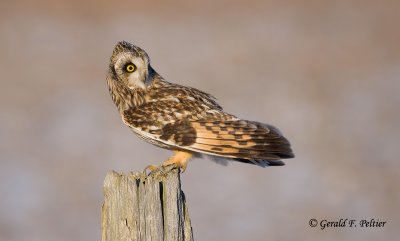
(132, 70)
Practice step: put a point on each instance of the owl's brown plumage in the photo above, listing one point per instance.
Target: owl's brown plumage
(184, 119)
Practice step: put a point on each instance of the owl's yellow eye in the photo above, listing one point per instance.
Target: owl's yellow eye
(130, 68)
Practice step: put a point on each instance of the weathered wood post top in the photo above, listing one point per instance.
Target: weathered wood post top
(145, 207)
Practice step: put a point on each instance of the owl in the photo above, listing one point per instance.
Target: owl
(186, 120)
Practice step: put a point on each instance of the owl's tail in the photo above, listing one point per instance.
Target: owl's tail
(244, 141)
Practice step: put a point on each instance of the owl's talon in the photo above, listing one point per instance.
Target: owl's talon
(183, 168)
(151, 168)
(169, 166)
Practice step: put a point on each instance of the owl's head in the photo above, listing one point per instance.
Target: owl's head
(130, 66)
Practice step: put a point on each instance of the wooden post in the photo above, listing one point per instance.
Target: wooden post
(140, 207)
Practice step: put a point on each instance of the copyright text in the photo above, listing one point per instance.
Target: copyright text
(346, 222)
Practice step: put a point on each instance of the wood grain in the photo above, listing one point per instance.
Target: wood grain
(145, 207)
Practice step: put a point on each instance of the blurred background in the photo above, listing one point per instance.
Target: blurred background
(327, 73)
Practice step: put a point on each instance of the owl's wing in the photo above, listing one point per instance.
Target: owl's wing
(246, 141)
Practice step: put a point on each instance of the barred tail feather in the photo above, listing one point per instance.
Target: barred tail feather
(244, 141)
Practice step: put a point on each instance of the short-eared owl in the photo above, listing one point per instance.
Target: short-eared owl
(186, 120)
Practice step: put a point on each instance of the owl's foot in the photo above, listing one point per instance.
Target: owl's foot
(151, 168)
(180, 159)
